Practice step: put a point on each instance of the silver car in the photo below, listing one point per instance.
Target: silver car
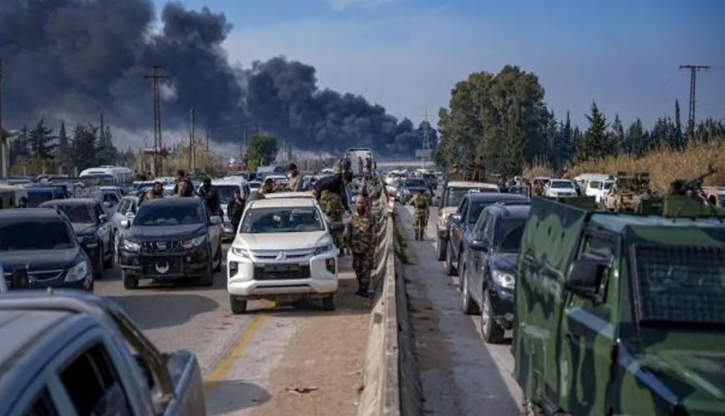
(125, 210)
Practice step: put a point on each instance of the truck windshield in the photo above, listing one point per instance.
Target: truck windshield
(20, 234)
(181, 214)
(282, 220)
(681, 284)
(562, 185)
(455, 195)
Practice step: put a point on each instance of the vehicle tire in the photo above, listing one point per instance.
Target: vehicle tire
(491, 331)
(218, 258)
(108, 263)
(467, 304)
(207, 277)
(98, 265)
(328, 303)
(238, 306)
(129, 282)
(450, 270)
(441, 249)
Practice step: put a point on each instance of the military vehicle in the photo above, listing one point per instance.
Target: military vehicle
(621, 313)
(628, 192)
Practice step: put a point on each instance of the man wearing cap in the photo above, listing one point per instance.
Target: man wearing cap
(266, 188)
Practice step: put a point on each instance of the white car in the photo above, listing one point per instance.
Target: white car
(560, 188)
(283, 250)
(288, 195)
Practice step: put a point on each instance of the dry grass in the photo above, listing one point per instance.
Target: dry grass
(663, 165)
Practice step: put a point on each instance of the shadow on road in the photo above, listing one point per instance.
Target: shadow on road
(157, 310)
(234, 395)
(460, 374)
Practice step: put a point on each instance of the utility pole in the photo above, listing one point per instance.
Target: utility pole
(192, 142)
(155, 77)
(694, 69)
(426, 141)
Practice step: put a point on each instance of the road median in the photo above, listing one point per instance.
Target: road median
(391, 380)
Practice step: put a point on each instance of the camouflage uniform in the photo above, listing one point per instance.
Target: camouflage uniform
(538, 188)
(420, 203)
(360, 236)
(255, 195)
(333, 207)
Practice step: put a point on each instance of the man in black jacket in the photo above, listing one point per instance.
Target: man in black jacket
(211, 196)
(335, 183)
(235, 209)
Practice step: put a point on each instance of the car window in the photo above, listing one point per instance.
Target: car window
(79, 214)
(94, 386)
(181, 214)
(480, 226)
(43, 405)
(28, 234)
(124, 206)
(282, 220)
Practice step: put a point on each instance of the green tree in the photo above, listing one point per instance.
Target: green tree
(636, 138)
(618, 134)
(41, 142)
(19, 146)
(83, 147)
(262, 150)
(106, 152)
(597, 143)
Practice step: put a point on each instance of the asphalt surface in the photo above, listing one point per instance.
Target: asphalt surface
(460, 374)
(237, 354)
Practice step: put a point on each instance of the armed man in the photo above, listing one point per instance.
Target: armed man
(157, 191)
(333, 207)
(420, 215)
(266, 188)
(360, 237)
(183, 187)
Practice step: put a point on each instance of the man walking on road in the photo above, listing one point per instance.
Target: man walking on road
(235, 209)
(420, 203)
(333, 207)
(360, 235)
(211, 197)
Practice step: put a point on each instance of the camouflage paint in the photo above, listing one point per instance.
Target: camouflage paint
(595, 359)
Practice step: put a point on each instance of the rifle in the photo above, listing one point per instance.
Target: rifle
(685, 187)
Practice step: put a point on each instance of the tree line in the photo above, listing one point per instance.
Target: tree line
(502, 120)
(39, 148)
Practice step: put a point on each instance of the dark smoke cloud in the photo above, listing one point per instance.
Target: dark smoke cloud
(73, 59)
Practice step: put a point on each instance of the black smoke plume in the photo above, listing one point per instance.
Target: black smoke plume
(73, 59)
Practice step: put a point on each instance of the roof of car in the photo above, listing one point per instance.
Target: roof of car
(70, 201)
(22, 328)
(465, 184)
(512, 211)
(43, 213)
(282, 202)
(287, 195)
(490, 196)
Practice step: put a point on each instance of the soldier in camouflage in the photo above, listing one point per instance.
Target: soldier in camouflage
(360, 236)
(333, 207)
(538, 188)
(266, 188)
(420, 215)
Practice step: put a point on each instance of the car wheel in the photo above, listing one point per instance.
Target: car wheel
(467, 304)
(328, 303)
(129, 282)
(441, 249)
(491, 331)
(108, 263)
(98, 265)
(218, 259)
(207, 277)
(237, 305)
(450, 270)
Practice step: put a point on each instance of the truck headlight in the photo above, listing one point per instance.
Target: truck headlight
(323, 249)
(78, 271)
(505, 280)
(131, 245)
(241, 252)
(193, 242)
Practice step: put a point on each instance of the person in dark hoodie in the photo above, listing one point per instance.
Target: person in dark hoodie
(209, 193)
(335, 184)
(235, 209)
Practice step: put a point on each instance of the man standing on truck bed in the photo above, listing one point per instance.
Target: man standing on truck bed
(183, 187)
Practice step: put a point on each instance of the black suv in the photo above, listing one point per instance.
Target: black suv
(489, 266)
(93, 228)
(171, 239)
(39, 249)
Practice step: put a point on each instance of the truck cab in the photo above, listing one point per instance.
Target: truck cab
(77, 354)
(621, 313)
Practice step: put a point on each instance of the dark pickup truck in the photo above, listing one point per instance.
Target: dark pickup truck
(77, 354)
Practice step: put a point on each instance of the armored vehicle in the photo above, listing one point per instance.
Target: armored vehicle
(628, 192)
(68, 353)
(619, 313)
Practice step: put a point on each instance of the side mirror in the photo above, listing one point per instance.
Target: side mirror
(215, 220)
(337, 227)
(125, 224)
(479, 245)
(103, 218)
(584, 277)
(456, 218)
(130, 215)
(107, 204)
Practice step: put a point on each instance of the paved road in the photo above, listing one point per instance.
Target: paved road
(250, 362)
(460, 374)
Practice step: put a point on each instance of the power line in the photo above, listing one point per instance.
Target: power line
(694, 69)
(155, 77)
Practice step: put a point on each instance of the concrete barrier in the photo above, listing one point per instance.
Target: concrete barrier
(391, 379)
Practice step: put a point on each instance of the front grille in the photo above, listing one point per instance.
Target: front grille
(38, 275)
(162, 265)
(281, 254)
(161, 246)
(281, 272)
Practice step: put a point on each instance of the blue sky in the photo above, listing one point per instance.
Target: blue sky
(407, 54)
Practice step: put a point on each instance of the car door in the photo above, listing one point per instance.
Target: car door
(120, 213)
(215, 231)
(104, 228)
(456, 230)
(478, 258)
